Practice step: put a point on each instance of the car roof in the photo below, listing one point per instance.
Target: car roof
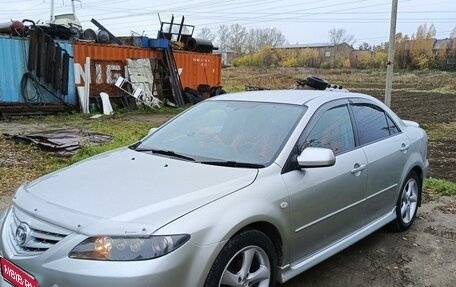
(297, 97)
(310, 98)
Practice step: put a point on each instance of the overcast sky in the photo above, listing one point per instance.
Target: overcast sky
(301, 21)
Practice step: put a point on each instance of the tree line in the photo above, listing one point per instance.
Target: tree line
(258, 47)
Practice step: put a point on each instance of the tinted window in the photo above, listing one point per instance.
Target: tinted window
(333, 130)
(372, 123)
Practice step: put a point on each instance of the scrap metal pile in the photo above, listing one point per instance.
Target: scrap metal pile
(63, 142)
(46, 79)
(63, 27)
(46, 61)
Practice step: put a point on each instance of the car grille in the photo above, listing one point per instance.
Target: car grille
(41, 236)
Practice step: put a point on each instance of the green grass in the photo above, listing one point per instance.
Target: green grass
(21, 162)
(440, 187)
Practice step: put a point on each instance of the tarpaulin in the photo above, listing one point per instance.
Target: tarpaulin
(63, 142)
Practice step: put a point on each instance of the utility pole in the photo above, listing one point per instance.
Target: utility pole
(72, 6)
(389, 66)
(52, 11)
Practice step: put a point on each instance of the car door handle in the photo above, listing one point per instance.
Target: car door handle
(405, 147)
(358, 167)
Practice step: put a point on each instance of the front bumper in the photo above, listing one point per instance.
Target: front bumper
(186, 266)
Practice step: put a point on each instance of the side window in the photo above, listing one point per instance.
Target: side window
(372, 123)
(333, 130)
(393, 129)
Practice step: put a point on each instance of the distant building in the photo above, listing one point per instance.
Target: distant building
(446, 49)
(228, 57)
(327, 51)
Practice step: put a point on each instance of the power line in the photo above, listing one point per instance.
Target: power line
(247, 13)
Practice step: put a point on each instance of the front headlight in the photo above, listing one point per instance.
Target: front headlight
(117, 248)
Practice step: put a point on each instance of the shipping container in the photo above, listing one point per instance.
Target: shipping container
(195, 68)
(21, 87)
(199, 68)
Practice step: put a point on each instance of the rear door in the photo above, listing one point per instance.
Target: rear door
(386, 150)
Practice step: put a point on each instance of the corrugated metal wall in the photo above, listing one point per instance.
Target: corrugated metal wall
(110, 52)
(197, 68)
(13, 65)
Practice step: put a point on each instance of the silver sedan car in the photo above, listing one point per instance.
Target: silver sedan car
(243, 189)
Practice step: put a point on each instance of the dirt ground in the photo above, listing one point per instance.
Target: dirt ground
(422, 256)
(425, 255)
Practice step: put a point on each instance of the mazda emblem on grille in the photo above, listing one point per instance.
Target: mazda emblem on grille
(22, 234)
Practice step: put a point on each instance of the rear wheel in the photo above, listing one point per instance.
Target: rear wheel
(248, 259)
(407, 203)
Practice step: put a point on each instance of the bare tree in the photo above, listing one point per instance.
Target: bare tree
(272, 37)
(252, 43)
(259, 38)
(365, 47)
(337, 37)
(237, 38)
(222, 38)
(453, 33)
(425, 32)
(206, 34)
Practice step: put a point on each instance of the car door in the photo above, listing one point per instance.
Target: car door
(386, 149)
(324, 202)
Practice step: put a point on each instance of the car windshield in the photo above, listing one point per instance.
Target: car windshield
(231, 133)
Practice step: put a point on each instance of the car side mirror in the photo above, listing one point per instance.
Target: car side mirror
(316, 157)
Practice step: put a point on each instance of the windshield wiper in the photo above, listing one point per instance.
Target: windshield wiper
(166, 152)
(231, 163)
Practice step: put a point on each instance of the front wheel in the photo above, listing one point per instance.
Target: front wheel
(407, 203)
(247, 260)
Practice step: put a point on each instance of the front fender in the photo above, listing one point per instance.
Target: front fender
(211, 226)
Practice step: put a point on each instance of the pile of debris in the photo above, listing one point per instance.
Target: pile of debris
(63, 142)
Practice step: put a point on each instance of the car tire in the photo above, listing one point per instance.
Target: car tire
(407, 203)
(316, 83)
(250, 248)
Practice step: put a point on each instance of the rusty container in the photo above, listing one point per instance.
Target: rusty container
(194, 68)
(199, 68)
(109, 52)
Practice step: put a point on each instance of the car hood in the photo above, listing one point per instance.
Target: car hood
(136, 190)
